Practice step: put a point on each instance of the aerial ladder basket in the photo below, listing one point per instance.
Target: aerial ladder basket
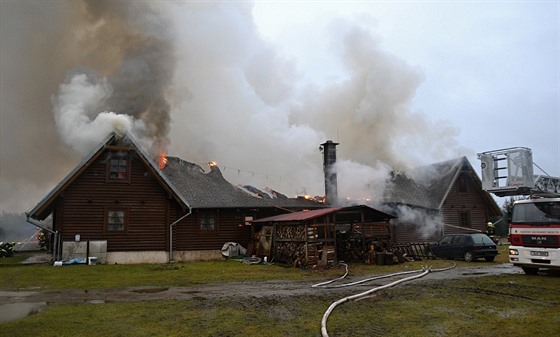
(509, 172)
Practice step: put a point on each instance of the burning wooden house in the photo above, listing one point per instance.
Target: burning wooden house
(120, 199)
(322, 236)
(438, 199)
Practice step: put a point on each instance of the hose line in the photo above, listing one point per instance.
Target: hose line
(423, 272)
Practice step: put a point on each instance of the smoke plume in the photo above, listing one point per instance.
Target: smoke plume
(429, 226)
(198, 79)
(131, 94)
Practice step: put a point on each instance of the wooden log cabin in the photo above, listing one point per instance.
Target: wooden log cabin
(144, 213)
(438, 199)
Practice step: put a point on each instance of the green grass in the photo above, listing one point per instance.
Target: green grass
(18, 276)
(14, 275)
(516, 305)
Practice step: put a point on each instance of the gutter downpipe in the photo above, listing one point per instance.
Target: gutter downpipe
(171, 233)
(56, 247)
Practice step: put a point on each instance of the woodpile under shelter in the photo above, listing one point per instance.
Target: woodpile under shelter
(322, 236)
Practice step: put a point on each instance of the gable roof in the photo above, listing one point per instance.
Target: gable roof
(44, 207)
(212, 190)
(428, 186)
(185, 181)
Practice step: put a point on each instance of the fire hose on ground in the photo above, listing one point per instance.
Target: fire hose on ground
(423, 272)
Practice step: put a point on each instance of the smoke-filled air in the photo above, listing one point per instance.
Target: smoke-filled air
(196, 80)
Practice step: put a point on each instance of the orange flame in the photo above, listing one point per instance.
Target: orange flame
(162, 160)
(317, 199)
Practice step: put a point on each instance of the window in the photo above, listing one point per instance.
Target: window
(459, 240)
(464, 219)
(118, 167)
(446, 240)
(116, 220)
(207, 222)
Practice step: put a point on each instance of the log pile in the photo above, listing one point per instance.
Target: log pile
(353, 246)
(292, 252)
(350, 247)
(294, 233)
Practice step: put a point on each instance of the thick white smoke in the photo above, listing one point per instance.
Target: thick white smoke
(80, 98)
(238, 101)
(429, 226)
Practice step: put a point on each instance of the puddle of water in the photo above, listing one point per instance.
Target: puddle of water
(13, 311)
(16, 293)
(149, 290)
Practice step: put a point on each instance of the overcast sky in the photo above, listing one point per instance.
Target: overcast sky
(257, 86)
(490, 68)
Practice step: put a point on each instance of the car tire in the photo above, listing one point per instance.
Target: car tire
(489, 258)
(530, 271)
(469, 257)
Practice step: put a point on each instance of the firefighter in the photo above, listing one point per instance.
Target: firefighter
(491, 231)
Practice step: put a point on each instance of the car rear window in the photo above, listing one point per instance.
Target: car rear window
(482, 239)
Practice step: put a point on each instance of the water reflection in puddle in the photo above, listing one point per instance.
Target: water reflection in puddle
(13, 311)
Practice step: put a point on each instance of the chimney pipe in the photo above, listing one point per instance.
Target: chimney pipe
(329, 161)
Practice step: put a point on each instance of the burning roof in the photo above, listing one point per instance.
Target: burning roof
(190, 185)
(428, 186)
(212, 190)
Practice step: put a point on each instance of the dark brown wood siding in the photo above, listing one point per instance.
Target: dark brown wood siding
(413, 233)
(229, 227)
(469, 202)
(83, 207)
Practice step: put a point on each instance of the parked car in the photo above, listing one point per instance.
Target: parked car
(465, 246)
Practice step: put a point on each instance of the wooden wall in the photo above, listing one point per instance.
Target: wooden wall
(470, 202)
(82, 208)
(229, 227)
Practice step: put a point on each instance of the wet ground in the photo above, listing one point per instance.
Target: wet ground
(18, 304)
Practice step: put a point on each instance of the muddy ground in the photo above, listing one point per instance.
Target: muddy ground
(229, 289)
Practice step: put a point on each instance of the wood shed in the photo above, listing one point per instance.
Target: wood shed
(322, 236)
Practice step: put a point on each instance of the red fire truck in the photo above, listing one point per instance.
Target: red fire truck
(534, 223)
(535, 234)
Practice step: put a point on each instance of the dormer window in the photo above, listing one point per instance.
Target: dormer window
(118, 167)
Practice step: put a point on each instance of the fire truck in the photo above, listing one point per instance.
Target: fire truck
(534, 223)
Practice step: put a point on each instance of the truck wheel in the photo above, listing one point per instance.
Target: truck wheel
(489, 258)
(530, 271)
(469, 257)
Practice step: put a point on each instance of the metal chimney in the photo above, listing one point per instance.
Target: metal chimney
(329, 161)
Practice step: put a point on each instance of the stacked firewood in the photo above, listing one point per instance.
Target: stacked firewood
(290, 252)
(350, 247)
(290, 233)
